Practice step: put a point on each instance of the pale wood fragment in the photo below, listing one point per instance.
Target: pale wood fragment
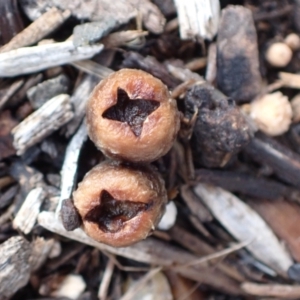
(290, 80)
(71, 287)
(211, 69)
(14, 265)
(92, 68)
(272, 290)
(198, 18)
(51, 116)
(184, 74)
(27, 214)
(246, 225)
(41, 249)
(40, 28)
(33, 59)
(106, 279)
(121, 38)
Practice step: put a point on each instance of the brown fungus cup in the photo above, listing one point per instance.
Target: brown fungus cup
(120, 205)
(131, 117)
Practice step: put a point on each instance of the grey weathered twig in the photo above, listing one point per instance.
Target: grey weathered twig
(32, 59)
(69, 169)
(51, 116)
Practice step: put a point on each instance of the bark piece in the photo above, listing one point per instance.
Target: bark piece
(247, 184)
(38, 95)
(14, 265)
(7, 123)
(152, 17)
(238, 73)
(246, 225)
(41, 250)
(196, 207)
(28, 213)
(198, 18)
(10, 19)
(33, 59)
(6, 198)
(220, 131)
(7, 92)
(284, 162)
(40, 28)
(17, 98)
(51, 116)
(282, 216)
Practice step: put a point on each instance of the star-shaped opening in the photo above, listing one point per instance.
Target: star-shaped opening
(132, 111)
(111, 214)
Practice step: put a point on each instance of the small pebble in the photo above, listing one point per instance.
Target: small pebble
(279, 55)
(169, 218)
(71, 287)
(293, 41)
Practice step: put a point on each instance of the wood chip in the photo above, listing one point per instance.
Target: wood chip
(198, 18)
(41, 249)
(246, 225)
(14, 265)
(27, 214)
(272, 290)
(33, 59)
(51, 116)
(41, 93)
(282, 216)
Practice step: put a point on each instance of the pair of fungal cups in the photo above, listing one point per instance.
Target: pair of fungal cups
(132, 119)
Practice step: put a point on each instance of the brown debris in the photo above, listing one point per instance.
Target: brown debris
(220, 131)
